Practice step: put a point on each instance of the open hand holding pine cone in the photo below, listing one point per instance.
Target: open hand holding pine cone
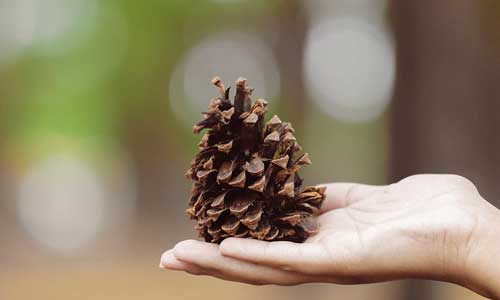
(246, 185)
(246, 181)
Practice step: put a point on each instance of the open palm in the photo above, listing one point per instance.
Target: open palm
(422, 226)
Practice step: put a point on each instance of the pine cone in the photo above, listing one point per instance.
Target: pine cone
(245, 175)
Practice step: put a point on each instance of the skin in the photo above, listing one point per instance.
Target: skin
(425, 226)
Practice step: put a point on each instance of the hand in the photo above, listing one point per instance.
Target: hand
(425, 226)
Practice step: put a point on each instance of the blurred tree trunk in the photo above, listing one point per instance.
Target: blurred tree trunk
(292, 25)
(445, 113)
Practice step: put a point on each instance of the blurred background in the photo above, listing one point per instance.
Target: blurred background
(98, 98)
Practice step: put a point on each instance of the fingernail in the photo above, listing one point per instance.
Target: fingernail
(184, 248)
(163, 259)
(168, 261)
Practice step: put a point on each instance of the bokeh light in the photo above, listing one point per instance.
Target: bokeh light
(65, 201)
(27, 23)
(61, 203)
(63, 25)
(350, 67)
(55, 18)
(17, 27)
(229, 55)
(349, 58)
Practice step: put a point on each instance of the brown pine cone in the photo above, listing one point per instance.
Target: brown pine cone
(246, 181)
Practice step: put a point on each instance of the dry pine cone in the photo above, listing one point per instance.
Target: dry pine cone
(245, 175)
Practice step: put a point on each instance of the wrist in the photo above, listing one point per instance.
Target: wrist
(482, 264)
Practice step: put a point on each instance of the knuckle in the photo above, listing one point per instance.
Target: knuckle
(459, 181)
(286, 267)
(390, 188)
(195, 271)
(352, 194)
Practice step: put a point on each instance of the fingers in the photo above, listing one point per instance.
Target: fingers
(305, 258)
(209, 261)
(340, 195)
